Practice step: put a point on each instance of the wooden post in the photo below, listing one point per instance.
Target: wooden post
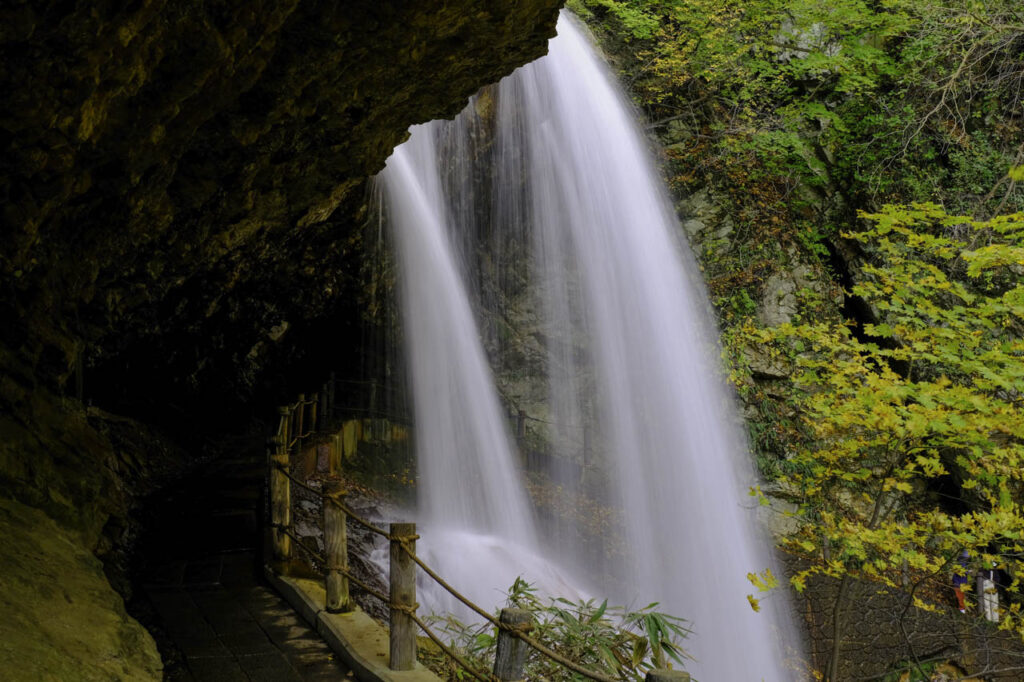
(286, 424)
(511, 656)
(314, 404)
(667, 676)
(330, 395)
(403, 595)
(325, 417)
(280, 501)
(299, 418)
(334, 456)
(336, 548)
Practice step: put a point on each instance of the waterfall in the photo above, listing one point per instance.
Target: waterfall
(476, 525)
(631, 356)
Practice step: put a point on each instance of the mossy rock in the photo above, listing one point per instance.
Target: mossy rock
(62, 620)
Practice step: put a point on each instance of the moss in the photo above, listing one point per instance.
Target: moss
(51, 458)
(62, 621)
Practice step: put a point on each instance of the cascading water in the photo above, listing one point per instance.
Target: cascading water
(477, 527)
(570, 167)
(679, 468)
(457, 410)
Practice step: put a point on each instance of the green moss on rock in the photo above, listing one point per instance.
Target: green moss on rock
(62, 620)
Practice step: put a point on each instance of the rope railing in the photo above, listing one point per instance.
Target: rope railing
(336, 502)
(516, 632)
(451, 653)
(562, 660)
(370, 412)
(365, 587)
(451, 590)
(401, 600)
(308, 550)
(306, 417)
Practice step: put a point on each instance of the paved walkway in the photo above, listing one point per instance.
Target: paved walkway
(213, 617)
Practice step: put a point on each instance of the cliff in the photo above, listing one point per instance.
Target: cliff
(179, 186)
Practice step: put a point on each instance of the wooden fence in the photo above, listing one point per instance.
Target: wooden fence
(309, 418)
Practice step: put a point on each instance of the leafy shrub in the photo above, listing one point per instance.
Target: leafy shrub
(611, 640)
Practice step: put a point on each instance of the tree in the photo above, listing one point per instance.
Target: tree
(931, 393)
(898, 100)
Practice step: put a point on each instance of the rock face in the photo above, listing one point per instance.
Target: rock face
(173, 171)
(179, 186)
(62, 621)
(780, 300)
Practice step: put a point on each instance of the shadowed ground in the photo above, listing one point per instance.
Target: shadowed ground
(212, 615)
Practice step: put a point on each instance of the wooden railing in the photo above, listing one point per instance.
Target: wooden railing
(298, 423)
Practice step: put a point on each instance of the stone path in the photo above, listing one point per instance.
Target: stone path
(214, 618)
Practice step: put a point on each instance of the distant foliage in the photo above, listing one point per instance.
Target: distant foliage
(899, 100)
(912, 446)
